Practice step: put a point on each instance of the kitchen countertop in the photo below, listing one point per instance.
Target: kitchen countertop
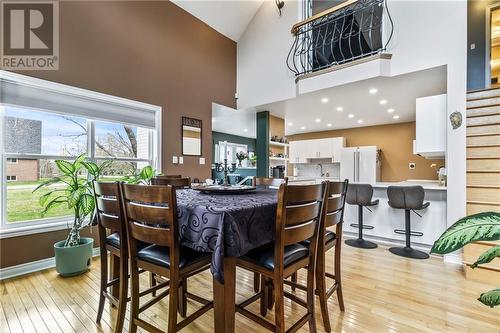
(432, 185)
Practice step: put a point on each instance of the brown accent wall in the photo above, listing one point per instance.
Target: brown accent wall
(396, 143)
(150, 51)
(24, 170)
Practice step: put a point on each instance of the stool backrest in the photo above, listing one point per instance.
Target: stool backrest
(151, 216)
(264, 181)
(359, 194)
(109, 212)
(175, 182)
(406, 197)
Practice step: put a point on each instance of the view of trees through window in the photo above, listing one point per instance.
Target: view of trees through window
(35, 139)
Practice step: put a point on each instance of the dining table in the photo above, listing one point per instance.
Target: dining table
(227, 226)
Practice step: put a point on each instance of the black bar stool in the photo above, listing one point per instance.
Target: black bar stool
(409, 198)
(361, 195)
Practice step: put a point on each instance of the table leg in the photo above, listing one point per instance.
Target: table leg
(224, 298)
(114, 273)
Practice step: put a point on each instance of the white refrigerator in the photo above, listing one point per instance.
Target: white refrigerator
(360, 164)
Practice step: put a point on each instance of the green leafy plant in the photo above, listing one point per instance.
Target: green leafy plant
(77, 193)
(473, 228)
(142, 176)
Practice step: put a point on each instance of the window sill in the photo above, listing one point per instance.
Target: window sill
(17, 231)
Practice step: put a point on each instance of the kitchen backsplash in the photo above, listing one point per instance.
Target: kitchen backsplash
(313, 169)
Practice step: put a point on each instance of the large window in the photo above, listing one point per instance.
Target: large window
(33, 138)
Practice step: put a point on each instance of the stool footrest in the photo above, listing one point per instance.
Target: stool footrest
(413, 233)
(368, 227)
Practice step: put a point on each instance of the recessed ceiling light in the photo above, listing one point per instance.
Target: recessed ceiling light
(383, 102)
(360, 121)
(351, 115)
(373, 91)
(391, 110)
(290, 124)
(395, 116)
(245, 130)
(317, 120)
(324, 100)
(339, 108)
(214, 119)
(302, 127)
(329, 125)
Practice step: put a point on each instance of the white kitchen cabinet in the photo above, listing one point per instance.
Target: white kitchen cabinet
(430, 120)
(330, 148)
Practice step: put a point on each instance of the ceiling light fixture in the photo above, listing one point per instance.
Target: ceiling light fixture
(317, 120)
(324, 100)
(391, 110)
(303, 128)
(373, 91)
(339, 108)
(214, 119)
(245, 130)
(290, 124)
(351, 115)
(383, 102)
(329, 125)
(360, 121)
(395, 116)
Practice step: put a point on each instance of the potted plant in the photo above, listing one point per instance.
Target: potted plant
(241, 156)
(142, 176)
(473, 228)
(73, 255)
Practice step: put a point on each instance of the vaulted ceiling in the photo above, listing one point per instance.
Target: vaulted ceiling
(229, 17)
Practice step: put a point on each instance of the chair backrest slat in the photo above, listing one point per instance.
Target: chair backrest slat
(264, 181)
(150, 214)
(335, 203)
(298, 214)
(177, 182)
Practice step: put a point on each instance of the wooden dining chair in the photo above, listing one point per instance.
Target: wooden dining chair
(265, 182)
(298, 217)
(151, 217)
(112, 239)
(332, 217)
(175, 182)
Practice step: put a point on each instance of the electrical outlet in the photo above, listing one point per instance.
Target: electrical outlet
(175, 160)
(412, 166)
(181, 160)
(202, 160)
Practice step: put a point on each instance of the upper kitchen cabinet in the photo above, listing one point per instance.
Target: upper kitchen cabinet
(430, 127)
(330, 148)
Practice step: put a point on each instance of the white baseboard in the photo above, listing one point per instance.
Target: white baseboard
(34, 266)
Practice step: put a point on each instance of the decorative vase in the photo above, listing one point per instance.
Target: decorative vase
(75, 260)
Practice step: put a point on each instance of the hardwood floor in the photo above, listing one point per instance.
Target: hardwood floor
(382, 293)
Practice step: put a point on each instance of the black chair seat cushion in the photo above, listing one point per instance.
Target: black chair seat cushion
(114, 240)
(264, 255)
(330, 236)
(159, 255)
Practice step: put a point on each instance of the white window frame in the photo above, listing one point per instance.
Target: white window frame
(12, 180)
(59, 223)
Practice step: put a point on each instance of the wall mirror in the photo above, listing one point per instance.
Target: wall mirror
(191, 136)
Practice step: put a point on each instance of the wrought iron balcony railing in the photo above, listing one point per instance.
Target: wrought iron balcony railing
(347, 32)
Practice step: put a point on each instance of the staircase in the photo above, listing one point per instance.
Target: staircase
(483, 173)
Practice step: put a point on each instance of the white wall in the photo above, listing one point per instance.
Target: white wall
(262, 50)
(426, 34)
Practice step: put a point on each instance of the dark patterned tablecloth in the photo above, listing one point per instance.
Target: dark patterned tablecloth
(226, 225)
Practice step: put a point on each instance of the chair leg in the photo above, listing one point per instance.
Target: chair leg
(310, 299)
(182, 303)
(152, 282)
(271, 295)
(279, 311)
(256, 280)
(264, 296)
(172, 304)
(104, 281)
(122, 301)
(294, 280)
(338, 275)
(321, 288)
(134, 304)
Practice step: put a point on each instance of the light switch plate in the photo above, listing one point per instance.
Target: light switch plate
(175, 160)
(181, 160)
(202, 160)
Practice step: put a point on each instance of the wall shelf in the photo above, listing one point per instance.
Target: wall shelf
(278, 144)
